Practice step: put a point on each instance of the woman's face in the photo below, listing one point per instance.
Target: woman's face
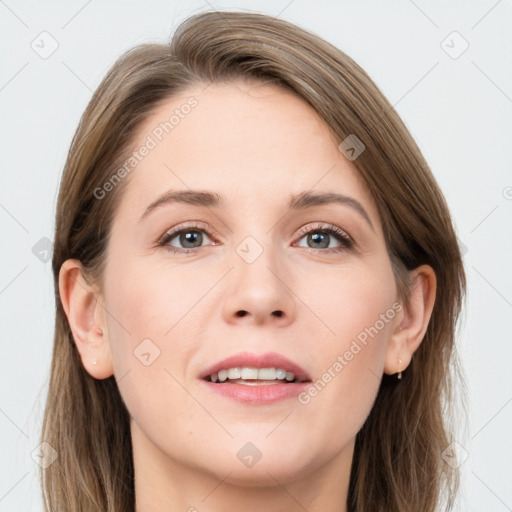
(249, 274)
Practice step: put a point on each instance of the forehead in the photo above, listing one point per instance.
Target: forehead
(249, 141)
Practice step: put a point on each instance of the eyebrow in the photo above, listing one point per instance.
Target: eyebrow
(298, 202)
(192, 197)
(309, 199)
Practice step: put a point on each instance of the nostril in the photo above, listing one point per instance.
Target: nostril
(279, 314)
(241, 313)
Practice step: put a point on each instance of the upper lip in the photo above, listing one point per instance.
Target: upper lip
(254, 360)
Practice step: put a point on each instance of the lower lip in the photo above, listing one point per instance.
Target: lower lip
(261, 394)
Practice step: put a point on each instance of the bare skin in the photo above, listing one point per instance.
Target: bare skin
(256, 146)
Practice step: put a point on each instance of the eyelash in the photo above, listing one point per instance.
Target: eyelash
(345, 240)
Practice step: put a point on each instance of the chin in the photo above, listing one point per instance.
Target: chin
(263, 474)
(258, 464)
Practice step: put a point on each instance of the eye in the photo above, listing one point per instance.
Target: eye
(189, 237)
(321, 236)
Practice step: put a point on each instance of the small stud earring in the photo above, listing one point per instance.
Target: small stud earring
(400, 373)
(95, 362)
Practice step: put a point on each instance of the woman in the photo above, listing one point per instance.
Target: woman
(257, 285)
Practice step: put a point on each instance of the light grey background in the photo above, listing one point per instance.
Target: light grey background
(458, 109)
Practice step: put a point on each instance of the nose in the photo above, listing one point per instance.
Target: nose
(259, 293)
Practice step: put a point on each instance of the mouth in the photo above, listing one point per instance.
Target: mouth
(256, 379)
(252, 369)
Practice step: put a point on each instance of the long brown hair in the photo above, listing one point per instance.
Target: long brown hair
(398, 464)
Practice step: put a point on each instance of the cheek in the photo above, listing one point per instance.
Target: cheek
(153, 327)
(153, 330)
(359, 311)
(152, 302)
(353, 303)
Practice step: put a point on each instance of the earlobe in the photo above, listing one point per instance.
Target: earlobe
(86, 319)
(412, 325)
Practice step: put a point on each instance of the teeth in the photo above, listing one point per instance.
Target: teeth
(281, 374)
(234, 373)
(252, 374)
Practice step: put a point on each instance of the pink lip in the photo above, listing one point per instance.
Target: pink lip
(252, 360)
(257, 395)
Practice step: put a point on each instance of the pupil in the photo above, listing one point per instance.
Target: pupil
(318, 237)
(188, 237)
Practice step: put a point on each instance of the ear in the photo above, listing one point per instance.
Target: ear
(413, 321)
(87, 319)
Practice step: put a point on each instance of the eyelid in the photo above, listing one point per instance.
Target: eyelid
(192, 226)
(322, 226)
(346, 242)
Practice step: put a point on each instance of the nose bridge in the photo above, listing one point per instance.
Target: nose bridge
(259, 289)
